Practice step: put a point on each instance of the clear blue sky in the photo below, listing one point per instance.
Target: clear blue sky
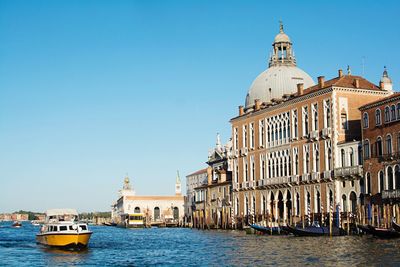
(91, 90)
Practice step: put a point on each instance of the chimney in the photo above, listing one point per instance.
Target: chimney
(300, 89)
(241, 110)
(257, 104)
(321, 81)
(356, 83)
(340, 73)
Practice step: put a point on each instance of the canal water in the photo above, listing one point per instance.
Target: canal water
(110, 246)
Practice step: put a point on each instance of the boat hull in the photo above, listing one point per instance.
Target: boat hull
(314, 231)
(384, 233)
(64, 240)
(268, 230)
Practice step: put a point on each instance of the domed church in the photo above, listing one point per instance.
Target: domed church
(282, 75)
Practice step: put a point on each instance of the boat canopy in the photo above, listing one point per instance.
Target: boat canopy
(60, 212)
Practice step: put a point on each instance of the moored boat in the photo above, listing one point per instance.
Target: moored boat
(395, 226)
(384, 232)
(314, 231)
(16, 224)
(268, 230)
(364, 229)
(62, 229)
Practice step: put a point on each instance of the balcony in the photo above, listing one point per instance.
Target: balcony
(391, 194)
(295, 179)
(235, 153)
(327, 175)
(389, 157)
(326, 132)
(350, 171)
(314, 135)
(251, 184)
(305, 177)
(244, 151)
(236, 186)
(315, 177)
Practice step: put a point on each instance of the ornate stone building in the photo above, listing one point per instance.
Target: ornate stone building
(213, 208)
(193, 181)
(296, 145)
(157, 210)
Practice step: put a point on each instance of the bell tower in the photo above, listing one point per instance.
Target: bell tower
(178, 188)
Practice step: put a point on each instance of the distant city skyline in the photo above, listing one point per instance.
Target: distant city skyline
(90, 91)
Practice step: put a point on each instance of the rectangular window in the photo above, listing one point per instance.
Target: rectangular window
(314, 110)
(327, 113)
(295, 123)
(244, 135)
(343, 119)
(261, 132)
(305, 121)
(236, 142)
(251, 135)
(63, 228)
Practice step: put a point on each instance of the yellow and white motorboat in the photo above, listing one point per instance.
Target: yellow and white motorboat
(62, 229)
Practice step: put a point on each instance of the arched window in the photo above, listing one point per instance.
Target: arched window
(365, 120)
(389, 144)
(397, 176)
(317, 161)
(353, 201)
(343, 157)
(381, 182)
(297, 204)
(390, 178)
(398, 111)
(329, 159)
(368, 184)
(393, 113)
(378, 117)
(156, 213)
(362, 186)
(379, 150)
(387, 115)
(351, 156)
(137, 210)
(344, 202)
(366, 149)
(176, 213)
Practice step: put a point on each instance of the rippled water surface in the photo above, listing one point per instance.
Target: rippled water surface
(111, 246)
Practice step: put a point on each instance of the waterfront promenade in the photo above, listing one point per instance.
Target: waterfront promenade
(112, 246)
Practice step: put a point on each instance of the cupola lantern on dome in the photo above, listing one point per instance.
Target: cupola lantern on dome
(385, 82)
(282, 75)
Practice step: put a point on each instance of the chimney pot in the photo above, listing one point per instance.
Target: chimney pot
(340, 73)
(321, 81)
(300, 89)
(356, 83)
(241, 110)
(257, 104)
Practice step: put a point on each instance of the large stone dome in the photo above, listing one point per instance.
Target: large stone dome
(282, 75)
(276, 81)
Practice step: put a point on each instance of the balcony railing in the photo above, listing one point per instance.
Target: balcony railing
(349, 171)
(391, 194)
(389, 157)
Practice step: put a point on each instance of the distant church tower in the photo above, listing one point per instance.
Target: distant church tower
(385, 82)
(127, 190)
(178, 188)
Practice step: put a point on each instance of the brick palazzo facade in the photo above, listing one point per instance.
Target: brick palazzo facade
(381, 148)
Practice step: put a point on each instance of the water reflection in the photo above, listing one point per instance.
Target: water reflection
(121, 247)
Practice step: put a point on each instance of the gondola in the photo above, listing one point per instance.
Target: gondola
(364, 229)
(268, 230)
(314, 231)
(395, 226)
(384, 232)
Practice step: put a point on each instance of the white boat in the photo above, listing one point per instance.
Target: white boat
(62, 229)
